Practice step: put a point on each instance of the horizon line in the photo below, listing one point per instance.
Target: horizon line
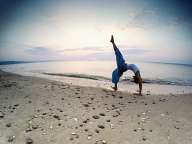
(4, 62)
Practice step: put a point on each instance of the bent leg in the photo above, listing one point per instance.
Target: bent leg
(115, 78)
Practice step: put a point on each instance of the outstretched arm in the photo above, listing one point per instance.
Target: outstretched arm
(140, 86)
(113, 43)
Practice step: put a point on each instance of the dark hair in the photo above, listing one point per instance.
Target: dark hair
(136, 80)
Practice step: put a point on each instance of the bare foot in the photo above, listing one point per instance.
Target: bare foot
(114, 88)
(112, 39)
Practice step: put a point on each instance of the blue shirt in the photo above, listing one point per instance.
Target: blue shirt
(132, 67)
(117, 74)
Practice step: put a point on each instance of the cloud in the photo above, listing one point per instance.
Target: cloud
(38, 51)
(141, 19)
(137, 51)
(82, 49)
(153, 18)
(42, 53)
(17, 51)
(110, 55)
(131, 49)
(86, 53)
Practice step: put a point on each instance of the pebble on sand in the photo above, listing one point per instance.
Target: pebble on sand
(28, 130)
(96, 130)
(100, 126)
(1, 114)
(8, 125)
(108, 120)
(86, 129)
(144, 139)
(71, 138)
(16, 105)
(74, 135)
(29, 141)
(56, 117)
(176, 127)
(85, 105)
(102, 114)
(116, 114)
(11, 139)
(89, 137)
(100, 142)
(35, 126)
(96, 117)
(29, 101)
(85, 121)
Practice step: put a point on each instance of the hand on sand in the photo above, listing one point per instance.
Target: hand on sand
(138, 94)
(114, 88)
(112, 39)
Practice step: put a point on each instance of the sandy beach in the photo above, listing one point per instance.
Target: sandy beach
(41, 111)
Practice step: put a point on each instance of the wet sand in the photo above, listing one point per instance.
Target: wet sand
(39, 111)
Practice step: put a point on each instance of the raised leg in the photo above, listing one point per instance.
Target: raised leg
(119, 57)
(113, 43)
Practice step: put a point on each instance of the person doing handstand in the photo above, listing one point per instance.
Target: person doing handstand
(123, 67)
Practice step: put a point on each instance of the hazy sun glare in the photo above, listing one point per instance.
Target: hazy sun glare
(146, 30)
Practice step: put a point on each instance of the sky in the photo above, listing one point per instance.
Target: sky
(144, 30)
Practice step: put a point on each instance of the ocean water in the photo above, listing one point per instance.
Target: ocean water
(158, 77)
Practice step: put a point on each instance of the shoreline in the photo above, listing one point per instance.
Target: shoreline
(45, 111)
(96, 82)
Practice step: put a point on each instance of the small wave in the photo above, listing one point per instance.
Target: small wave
(127, 79)
(84, 76)
(162, 82)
